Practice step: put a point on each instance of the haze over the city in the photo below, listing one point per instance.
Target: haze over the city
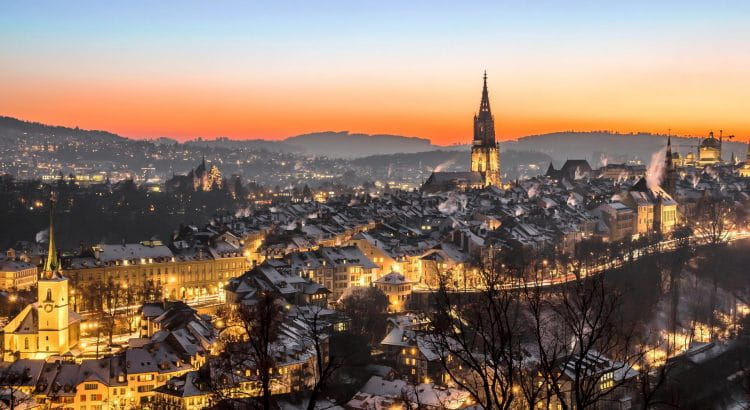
(190, 69)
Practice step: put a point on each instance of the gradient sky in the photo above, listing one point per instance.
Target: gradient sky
(278, 68)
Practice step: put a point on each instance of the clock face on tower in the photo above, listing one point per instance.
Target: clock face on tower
(47, 308)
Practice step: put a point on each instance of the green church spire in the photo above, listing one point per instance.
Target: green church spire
(52, 265)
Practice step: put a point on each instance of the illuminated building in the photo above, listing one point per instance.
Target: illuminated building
(16, 274)
(656, 210)
(745, 170)
(485, 156)
(48, 327)
(414, 350)
(397, 288)
(187, 273)
(336, 268)
(709, 151)
(485, 153)
(202, 178)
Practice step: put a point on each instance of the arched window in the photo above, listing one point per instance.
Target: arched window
(26, 343)
(49, 295)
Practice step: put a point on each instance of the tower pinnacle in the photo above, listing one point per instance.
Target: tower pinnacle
(670, 182)
(484, 106)
(669, 150)
(485, 154)
(484, 124)
(52, 265)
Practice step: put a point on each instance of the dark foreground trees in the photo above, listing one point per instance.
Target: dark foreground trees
(246, 362)
(478, 339)
(12, 380)
(569, 346)
(366, 307)
(267, 348)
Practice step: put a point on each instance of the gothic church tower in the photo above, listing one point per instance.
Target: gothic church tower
(46, 328)
(485, 153)
(670, 180)
(53, 303)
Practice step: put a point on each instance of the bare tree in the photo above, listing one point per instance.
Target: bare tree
(114, 299)
(12, 381)
(587, 315)
(317, 335)
(94, 302)
(541, 382)
(653, 377)
(248, 353)
(715, 221)
(714, 225)
(477, 338)
(150, 292)
(366, 307)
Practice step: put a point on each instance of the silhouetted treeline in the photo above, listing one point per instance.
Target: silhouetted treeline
(104, 212)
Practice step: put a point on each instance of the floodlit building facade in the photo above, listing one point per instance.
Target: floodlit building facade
(48, 327)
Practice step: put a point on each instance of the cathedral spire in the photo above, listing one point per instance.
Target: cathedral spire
(669, 150)
(484, 124)
(670, 182)
(484, 106)
(52, 265)
(485, 154)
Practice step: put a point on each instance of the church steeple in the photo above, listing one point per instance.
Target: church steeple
(485, 154)
(669, 151)
(484, 123)
(52, 266)
(670, 182)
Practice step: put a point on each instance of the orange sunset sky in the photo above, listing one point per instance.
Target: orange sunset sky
(186, 70)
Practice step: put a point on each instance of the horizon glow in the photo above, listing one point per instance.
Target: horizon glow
(239, 70)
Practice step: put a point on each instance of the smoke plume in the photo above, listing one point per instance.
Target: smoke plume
(572, 201)
(242, 213)
(444, 165)
(579, 174)
(656, 169)
(453, 204)
(533, 191)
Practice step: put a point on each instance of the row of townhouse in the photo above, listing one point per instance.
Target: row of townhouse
(336, 268)
(15, 273)
(188, 272)
(176, 341)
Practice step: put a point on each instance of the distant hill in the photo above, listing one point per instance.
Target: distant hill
(343, 144)
(254, 144)
(13, 127)
(615, 147)
(332, 144)
(346, 145)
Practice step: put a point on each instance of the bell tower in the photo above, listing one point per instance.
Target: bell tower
(485, 153)
(670, 182)
(53, 302)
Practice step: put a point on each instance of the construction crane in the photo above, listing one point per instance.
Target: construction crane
(721, 134)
